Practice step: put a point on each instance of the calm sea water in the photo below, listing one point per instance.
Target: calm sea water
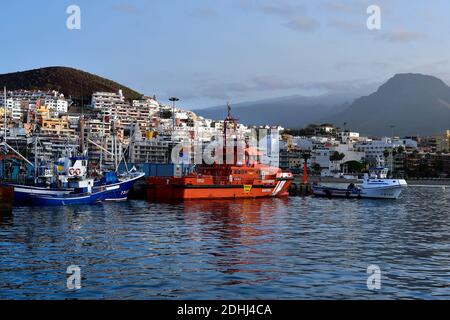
(296, 248)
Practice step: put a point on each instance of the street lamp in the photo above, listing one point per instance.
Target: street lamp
(173, 99)
(392, 128)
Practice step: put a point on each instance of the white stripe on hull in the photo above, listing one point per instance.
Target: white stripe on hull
(40, 191)
(117, 200)
(278, 187)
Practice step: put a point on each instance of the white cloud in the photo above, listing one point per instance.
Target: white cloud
(302, 23)
(402, 35)
(295, 16)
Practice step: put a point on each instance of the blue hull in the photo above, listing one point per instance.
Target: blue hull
(22, 194)
(63, 197)
(68, 200)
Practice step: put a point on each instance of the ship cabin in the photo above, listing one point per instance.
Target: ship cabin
(71, 168)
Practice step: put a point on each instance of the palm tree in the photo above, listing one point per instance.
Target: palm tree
(336, 157)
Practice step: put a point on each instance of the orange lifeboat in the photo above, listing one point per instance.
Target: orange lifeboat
(224, 181)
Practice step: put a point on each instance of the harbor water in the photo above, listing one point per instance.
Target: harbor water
(292, 248)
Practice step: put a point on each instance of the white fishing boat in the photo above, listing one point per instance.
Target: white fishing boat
(375, 185)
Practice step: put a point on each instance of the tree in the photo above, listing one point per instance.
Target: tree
(316, 168)
(166, 114)
(354, 166)
(336, 156)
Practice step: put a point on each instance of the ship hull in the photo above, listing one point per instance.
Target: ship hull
(66, 200)
(6, 194)
(63, 197)
(385, 192)
(22, 194)
(120, 191)
(157, 191)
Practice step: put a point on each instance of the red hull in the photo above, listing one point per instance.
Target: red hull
(203, 188)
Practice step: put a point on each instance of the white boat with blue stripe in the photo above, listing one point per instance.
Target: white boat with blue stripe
(375, 185)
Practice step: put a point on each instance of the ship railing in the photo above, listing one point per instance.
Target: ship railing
(222, 180)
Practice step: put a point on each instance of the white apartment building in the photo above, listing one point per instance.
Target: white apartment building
(321, 156)
(374, 149)
(106, 100)
(149, 151)
(58, 105)
(21, 100)
(13, 109)
(302, 143)
(146, 102)
(349, 136)
(204, 133)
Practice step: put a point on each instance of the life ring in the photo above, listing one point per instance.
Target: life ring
(71, 171)
(78, 171)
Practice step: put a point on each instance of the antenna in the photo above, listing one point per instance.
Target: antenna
(4, 109)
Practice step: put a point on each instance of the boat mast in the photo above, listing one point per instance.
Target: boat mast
(35, 156)
(4, 109)
(102, 142)
(116, 152)
(5, 143)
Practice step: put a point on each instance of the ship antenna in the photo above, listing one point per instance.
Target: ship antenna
(4, 109)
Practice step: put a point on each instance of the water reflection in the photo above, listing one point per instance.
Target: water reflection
(230, 249)
(240, 228)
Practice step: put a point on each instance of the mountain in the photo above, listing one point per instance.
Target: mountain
(69, 81)
(290, 112)
(413, 103)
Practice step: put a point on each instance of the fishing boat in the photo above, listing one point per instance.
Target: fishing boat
(240, 179)
(73, 186)
(375, 185)
(85, 192)
(67, 181)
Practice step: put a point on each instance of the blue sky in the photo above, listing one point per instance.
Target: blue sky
(209, 51)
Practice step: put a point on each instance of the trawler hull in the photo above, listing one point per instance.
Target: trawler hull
(34, 196)
(23, 194)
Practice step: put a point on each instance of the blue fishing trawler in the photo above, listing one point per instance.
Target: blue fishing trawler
(72, 186)
(86, 192)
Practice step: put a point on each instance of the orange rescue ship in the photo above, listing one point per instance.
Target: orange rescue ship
(223, 181)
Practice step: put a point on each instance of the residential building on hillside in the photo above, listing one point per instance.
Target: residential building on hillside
(105, 100)
(443, 142)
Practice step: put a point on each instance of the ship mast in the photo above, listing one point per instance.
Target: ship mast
(5, 143)
(230, 120)
(4, 109)
(35, 157)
